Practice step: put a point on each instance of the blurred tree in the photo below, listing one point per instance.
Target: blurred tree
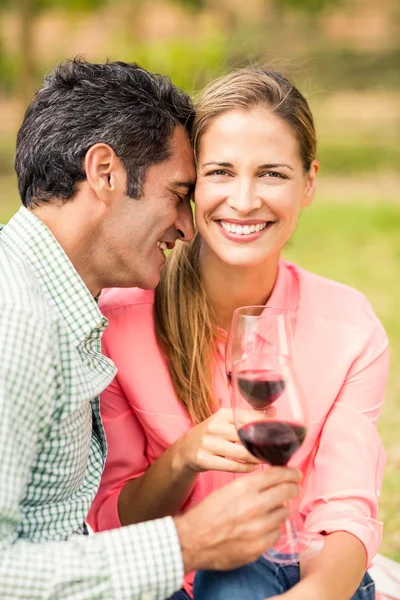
(308, 6)
(26, 74)
(194, 4)
(27, 11)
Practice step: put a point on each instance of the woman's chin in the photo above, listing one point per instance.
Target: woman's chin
(244, 260)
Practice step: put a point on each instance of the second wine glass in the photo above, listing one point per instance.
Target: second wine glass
(257, 329)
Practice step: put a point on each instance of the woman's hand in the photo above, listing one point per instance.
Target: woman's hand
(214, 445)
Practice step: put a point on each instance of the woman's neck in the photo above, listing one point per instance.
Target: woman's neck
(228, 287)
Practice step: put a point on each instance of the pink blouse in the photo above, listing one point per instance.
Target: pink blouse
(341, 358)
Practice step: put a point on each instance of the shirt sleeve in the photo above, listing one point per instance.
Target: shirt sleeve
(343, 488)
(123, 564)
(126, 457)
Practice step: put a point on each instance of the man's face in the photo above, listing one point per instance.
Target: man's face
(138, 231)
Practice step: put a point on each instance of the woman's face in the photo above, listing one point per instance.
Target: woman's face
(250, 186)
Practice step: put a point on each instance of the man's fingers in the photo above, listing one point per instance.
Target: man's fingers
(278, 516)
(274, 520)
(278, 495)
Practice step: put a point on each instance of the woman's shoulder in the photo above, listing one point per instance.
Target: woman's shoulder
(115, 298)
(328, 298)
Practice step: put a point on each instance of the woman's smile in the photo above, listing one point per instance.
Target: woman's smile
(244, 231)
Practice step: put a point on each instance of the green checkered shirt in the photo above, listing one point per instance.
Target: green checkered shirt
(52, 444)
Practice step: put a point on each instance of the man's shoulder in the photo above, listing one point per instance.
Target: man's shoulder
(20, 290)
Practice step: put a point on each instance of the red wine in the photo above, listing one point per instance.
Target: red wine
(260, 388)
(274, 442)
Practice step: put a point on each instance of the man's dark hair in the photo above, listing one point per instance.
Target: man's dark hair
(80, 104)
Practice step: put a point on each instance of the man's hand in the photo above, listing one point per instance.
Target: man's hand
(238, 522)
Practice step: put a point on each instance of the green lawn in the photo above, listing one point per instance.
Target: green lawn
(357, 244)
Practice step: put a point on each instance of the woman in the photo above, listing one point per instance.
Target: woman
(167, 416)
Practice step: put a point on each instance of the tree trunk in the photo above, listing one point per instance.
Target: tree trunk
(26, 72)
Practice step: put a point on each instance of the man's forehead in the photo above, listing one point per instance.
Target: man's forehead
(182, 170)
(181, 146)
(178, 171)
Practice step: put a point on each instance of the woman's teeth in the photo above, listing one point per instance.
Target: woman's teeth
(242, 229)
(162, 245)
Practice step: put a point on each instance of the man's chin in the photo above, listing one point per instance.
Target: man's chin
(150, 282)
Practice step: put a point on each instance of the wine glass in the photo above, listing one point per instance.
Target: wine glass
(257, 329)
(258, 381)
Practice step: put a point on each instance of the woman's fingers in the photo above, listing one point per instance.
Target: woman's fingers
(215, 443)
(223, 425)
(221, 447)
(220, 463)
(224, 430)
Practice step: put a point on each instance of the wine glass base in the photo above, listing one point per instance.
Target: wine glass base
(288, 551)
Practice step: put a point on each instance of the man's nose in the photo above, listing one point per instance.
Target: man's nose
(184, 224)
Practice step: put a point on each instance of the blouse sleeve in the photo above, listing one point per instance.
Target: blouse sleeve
(126, 458)
(343, 488)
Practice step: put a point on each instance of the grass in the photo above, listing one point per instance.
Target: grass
(359, 157)
(357, 244)
(9, 199)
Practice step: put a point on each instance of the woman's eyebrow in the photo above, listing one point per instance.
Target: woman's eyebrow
(266, 166)
(275, 166)
(218, 164)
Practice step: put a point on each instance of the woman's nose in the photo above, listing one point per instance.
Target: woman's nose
(243, 198)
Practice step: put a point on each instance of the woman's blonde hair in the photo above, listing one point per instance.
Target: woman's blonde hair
(185, 323)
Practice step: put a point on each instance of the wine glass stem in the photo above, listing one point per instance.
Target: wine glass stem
(291, 531)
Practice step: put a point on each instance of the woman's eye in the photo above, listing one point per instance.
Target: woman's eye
(274, 174)
(217, 172)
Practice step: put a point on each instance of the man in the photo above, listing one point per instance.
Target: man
(105, 172)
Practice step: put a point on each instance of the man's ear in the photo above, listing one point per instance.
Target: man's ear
(311, 184)
(105, 173)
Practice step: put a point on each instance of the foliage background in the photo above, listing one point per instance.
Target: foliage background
(343, 54)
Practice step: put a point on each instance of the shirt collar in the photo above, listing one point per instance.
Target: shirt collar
(284, 295)
(286, 292)
(27, 236)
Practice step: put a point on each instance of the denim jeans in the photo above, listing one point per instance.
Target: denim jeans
(259, 580)
(180, 595)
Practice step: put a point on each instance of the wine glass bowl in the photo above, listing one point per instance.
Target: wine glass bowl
(260, 388)
(257, 329)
